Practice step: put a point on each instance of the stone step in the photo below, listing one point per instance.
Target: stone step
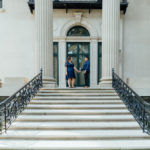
(48, 102)
(76, 111)
(76, 118)
(36, 113)
(70, 138)
(77, 101)
(78, 133)
(74, 128)
(76, 105)
(78, 125)
(75, 98)
(76, 94)
(62, 106)
(77, 91)
(75, 145)
(78, 88)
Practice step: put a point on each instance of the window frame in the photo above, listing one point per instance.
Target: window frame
(1, 4)
(69, 34)
(56, 54)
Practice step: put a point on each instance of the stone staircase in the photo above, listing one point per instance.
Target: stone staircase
(75, 119)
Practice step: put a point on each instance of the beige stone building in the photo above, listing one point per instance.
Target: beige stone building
(34, 38)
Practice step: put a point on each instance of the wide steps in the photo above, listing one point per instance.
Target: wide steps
(76, 111)
(54, 102)
(75, 125)
(75, 145)
(76, 98)
(77, 94)
(75, 135)
(75, 119)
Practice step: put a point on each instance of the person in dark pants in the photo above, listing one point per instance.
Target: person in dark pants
(86, 69)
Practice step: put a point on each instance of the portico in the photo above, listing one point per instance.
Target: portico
(108, 36)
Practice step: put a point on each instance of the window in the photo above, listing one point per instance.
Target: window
(56, 63)
(99, 61)
(1, 3)
(78, 31)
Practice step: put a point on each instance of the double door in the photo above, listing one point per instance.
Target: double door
(78, 51)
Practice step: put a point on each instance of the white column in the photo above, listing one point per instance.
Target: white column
(44, 37)
(110, 39)
(93, 63)
(62, 60)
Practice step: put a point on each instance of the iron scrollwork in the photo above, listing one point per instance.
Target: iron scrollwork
(15, 104)
(135, 104)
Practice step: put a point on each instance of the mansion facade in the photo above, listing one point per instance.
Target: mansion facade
(42, 33)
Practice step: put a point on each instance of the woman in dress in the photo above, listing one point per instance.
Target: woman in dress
(70, 72)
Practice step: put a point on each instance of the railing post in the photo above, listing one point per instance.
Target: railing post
(1, 121)
(5, 111)
(143, 119)
(41, 71)
(113, 70)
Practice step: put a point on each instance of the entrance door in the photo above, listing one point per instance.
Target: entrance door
(78, 51)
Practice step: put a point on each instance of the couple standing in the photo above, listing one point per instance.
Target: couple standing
(70, 72)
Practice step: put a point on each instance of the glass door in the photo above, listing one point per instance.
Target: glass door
(78, 51)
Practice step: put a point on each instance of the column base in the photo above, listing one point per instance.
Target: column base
(49, 82)
(107, 82)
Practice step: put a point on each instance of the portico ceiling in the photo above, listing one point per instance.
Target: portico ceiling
(79, 4)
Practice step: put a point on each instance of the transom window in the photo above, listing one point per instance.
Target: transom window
(78, 31)
(1, 3)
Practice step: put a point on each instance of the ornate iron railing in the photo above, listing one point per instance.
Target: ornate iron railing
(135, 104)
(15, 104)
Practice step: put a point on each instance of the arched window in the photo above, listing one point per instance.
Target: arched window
(78, 31)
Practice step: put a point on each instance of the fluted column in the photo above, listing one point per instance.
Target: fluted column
(93, 63)
(110, 39)
(62, 60)
(44, 36)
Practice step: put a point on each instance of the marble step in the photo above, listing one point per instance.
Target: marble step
(77, 91)
(77, 94)
(77, 101)
(37, 113)
(76, 98)
(75, 145)
(62, 106)
(70, 138)
(76, 111)
(77, 105)
(78, 125)
(79, 88)
(78, 133)
(51, 102)
(75, 118)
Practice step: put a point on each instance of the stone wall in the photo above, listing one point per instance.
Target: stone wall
(137, 46)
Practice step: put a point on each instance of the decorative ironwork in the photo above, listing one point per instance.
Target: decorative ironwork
(135, 104)
(15, 104)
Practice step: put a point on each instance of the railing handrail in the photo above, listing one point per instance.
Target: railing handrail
(140, 98)
(7, 99)
(135, 104)
(15, 104)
